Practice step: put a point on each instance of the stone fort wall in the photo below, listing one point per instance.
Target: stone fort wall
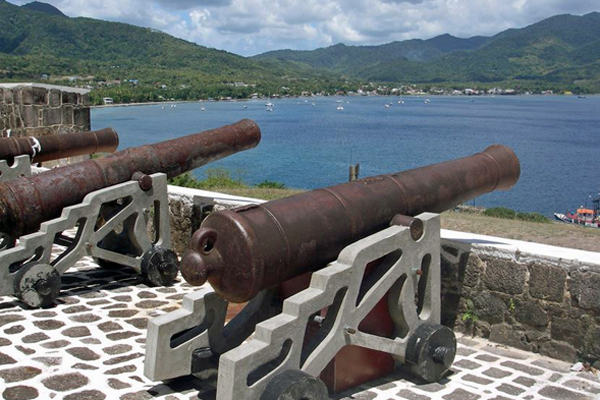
(30, 109)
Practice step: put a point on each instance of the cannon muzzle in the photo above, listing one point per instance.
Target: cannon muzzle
(55, 147)
(28, 201)
(243, 251)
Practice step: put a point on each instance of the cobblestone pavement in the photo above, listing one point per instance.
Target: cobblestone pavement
(91, 346)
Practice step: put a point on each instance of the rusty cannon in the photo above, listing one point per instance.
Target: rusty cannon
(102, 208)
(343, 285)
(17, 153)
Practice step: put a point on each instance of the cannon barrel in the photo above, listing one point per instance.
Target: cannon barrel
(55, 147)
(28, 201)
(243, 251)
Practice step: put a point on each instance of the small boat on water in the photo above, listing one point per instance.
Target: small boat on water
(584, 216)
(339, 107)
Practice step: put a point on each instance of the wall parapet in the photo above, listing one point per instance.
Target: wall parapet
(531, 296)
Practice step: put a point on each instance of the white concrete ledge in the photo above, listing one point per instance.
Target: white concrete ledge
(525, 252)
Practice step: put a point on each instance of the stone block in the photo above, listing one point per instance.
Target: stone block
(585, 290)
(69, 98)
(85, 100)
(34, 95)
(180, 214)
(559, 350)
(530, 313)
(55, 98)
(591, 344)
(567, 330)
(52, 116)
(81, 117)
(30, 116)
(67, 115)
(505, 334)
(473, 269)
(505, 276)
(546, 282)
(8, 96)
(488, 307)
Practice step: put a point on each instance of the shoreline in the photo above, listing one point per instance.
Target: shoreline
(149, 103)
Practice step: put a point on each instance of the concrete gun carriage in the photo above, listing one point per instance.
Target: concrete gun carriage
(108, 203)
(342, 284)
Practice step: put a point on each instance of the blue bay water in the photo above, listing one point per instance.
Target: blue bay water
(557, 139)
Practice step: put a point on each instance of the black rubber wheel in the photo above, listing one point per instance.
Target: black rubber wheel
(430, 351)
(37, 285)
(160, 266)
(295, 385)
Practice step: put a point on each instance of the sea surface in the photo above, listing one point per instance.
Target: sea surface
(308, 143)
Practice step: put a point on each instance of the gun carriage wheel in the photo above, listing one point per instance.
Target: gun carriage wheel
(295, 385)
(37, 284)
(160, 266)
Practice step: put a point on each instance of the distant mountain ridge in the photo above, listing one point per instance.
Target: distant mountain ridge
(43, 7)
(37, 38)
(562, 48)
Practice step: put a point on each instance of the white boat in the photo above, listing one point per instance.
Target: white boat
(245, 106)
(427, 101)
(340, 107)
(269, 104)
(202, 109)
(313, 104)
(400, 101)
(387, 106)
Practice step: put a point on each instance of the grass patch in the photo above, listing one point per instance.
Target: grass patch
(507, 213)
(221, 180)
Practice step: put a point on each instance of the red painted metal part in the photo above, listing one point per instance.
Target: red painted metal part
(26, 202)
(245, 250)
(55, 147)
(352, 365)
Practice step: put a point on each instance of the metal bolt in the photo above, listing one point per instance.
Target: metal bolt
(442, 355)
(89, 245)
(43, 287)
(349, 330)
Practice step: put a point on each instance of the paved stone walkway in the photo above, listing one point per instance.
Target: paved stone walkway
(91, 346)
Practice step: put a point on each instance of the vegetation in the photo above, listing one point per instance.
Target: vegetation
(562, 51)
(271, 185)
(134, 64)
(221, 180)
(507, 213)
(215, 178)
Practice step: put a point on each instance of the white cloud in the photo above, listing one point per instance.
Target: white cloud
(253, 26)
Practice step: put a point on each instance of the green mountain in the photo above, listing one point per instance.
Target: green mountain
(32, 33)
(43, 7)
(563, 48)
(37, 40)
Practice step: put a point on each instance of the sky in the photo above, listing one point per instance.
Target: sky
(249, 27)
